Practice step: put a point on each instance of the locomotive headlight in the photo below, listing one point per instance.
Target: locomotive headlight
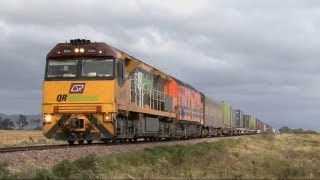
(107, 118)
(81, 50)
(47, 118)
(76, 50)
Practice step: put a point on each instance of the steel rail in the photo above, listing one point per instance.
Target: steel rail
(36, 147)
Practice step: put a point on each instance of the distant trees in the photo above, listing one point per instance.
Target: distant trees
(22, 121)
(286, 129)
(37, 122)
(6, 124)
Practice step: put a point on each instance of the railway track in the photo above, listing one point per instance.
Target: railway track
(61, 146)
(31, 148)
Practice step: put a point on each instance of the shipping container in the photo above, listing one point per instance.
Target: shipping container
(261, 126)
(246, 121)
(227, 114)
(269, 128)
(233, 117)
(238, 119)
(212, 113)
(252, 122)
(258, 124)
(264, 128)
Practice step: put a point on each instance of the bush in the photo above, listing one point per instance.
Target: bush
(45, 174)
(4, 171)
(87, 163)
(83, 168)
(65, 169)
(42, 141)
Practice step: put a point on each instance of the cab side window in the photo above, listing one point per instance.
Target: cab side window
(120, 70)
(120, 73)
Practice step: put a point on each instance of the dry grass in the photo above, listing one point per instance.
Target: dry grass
(23, 137)
(262, 156)
(251, 157)
(284, 156)
(20, 132)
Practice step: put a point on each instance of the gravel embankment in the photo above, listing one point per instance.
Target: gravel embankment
(44, 158)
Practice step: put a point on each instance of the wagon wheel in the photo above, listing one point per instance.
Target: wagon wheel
(89, 141)
(106, 141)
(115, 141)
(71, 142)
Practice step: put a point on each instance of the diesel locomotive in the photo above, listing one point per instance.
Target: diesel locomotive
(93, 91)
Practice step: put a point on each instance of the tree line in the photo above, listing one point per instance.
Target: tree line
(21, 123)
(286, 129)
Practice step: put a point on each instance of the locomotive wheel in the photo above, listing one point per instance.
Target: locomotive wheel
(89, 141)
(71, 142)
(81, 142)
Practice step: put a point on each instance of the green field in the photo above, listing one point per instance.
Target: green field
(260, 156)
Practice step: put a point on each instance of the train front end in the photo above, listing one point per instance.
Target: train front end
(79, 92)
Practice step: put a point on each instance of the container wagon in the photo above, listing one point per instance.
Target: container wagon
(238, 121)
(213, 122)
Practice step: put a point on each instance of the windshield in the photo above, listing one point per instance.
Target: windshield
(77, 69)
(67, 68)
(100, 68)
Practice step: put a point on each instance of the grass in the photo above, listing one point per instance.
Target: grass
(10, 138)
(20, 132)
(261, 156)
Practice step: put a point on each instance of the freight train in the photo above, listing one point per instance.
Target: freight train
(93, 91)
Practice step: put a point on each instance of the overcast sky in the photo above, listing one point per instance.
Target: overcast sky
(262, 56)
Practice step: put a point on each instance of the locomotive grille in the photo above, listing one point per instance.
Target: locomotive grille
(75, 109)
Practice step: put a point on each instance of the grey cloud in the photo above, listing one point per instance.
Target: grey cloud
(261, 56)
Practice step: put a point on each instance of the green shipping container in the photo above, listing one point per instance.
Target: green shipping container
(252, 123)
(246, 121)
(226, 115)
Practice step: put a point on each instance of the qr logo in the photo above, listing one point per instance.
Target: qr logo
(77, 88)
